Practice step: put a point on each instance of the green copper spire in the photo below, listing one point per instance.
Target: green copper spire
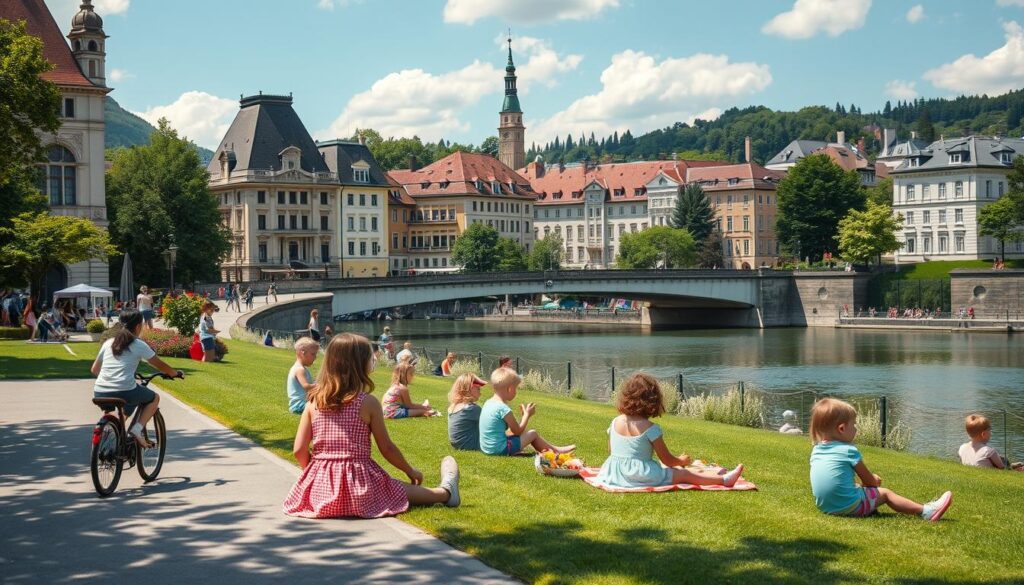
(511, 94)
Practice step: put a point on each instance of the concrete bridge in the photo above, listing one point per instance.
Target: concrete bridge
(694, 298)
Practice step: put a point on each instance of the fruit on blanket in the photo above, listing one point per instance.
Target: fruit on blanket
(561, 460)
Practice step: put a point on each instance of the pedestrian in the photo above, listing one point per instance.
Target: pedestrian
(249, 294)
(144, 301)
(207, 333)
(314, 326)
(228, 295)
(271, 290)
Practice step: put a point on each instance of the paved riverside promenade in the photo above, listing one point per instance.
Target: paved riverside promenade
(213, 516)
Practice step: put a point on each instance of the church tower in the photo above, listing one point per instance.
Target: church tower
(87, 43)
(511, 132)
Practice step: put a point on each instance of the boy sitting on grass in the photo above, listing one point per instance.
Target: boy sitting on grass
(977, 452)
(500, 432)
(300, 379)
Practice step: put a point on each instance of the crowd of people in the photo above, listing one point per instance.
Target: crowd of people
(912, 313)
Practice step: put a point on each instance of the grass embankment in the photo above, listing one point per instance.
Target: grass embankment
(941, 268)
(553, 530)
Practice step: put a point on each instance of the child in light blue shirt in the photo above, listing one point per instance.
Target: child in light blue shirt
(500, 432)
(300, 379)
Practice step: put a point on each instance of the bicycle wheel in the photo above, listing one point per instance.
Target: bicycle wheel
(105, 465)
(149, 461)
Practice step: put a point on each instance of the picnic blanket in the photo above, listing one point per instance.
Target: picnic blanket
(589, 475)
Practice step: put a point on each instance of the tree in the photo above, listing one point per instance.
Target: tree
(511, 255)
(868, 234)
(669, 247)
(37, 242)
(476, 249)
(547, 253)
(710, 253)
(924, 127)
(1001, 221)
(693, 213)
(157, 195)
(813, 197)
(1015, 190)
(880, 193)
(490, 146)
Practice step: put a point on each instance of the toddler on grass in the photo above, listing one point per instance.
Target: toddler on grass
(634, 440)
(500, 432)
(300, 379)
(464, 413)
(397, 401)
(836, 463)
(977, 452)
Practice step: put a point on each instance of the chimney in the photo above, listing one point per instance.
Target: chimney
(913, 134)
(860, 145)
(841, 137)
(414, 165)
(538, 171)
(888, 137)
(362, 139)
(746, 149)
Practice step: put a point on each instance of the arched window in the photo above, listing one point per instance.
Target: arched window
(93, 46)
(78, 45)
(58, 178)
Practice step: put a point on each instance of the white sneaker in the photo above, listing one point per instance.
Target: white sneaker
(934, 509)
(450, 481)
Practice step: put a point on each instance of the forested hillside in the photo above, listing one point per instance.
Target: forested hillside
(126, 129)
(771, 130)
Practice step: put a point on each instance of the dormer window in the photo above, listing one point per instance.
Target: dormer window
(639, 191)
(620, 192)
(913, 162)
(1005, 158)
(734, 181)
(511, 187)
(360, 175)
(479, 185)
(495, 187)
(955, 158)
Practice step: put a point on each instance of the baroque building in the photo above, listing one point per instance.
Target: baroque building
(72, 178)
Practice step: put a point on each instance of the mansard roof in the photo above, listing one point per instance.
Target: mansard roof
(974, 151)
(340, 155)
(40, 23)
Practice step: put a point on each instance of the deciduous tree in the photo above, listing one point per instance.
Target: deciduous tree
(709, 255)
(36, 242)
(511, 255)
(813, 197)
(880, 192)
(659, 245)
(868, 234)
(1001, 220)
(476, 249)
(547, 253)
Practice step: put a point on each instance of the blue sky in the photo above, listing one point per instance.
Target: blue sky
(434, 67)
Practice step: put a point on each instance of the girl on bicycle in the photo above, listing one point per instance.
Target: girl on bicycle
(115, 367)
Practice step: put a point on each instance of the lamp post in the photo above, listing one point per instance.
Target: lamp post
(170, 257)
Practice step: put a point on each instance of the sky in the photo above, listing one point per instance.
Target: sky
(435, 68)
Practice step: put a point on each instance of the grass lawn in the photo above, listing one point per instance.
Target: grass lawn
(551, 530)
(941, 268)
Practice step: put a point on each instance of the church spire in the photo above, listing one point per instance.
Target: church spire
(511, 132)
(511, 93)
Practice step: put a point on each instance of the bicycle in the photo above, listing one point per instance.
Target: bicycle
(113, 447)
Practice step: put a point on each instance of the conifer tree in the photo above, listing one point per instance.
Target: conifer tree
(693, 213)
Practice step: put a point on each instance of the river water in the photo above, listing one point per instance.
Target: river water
(931, 380)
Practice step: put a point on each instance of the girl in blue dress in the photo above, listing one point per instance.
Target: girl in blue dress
(634, 440)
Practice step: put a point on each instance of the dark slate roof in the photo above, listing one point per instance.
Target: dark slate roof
(976, 151)
(904, 149)
(264, 126)
(795, 151)
(341, 154)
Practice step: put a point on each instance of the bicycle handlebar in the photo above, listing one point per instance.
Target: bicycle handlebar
(145, 380)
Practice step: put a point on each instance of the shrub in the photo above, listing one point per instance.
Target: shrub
(468, 366)
(167, 342)
(725, 408)
(425, 367)
(183, 312)
(95, 326)
(869, 430)
(578, 394)
(537, 381)
(14, 332)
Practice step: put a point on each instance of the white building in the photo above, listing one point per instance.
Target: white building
(940, 190)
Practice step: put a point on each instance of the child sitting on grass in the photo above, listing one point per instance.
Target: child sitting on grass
(340, 477)
(500, 432)
(300, 379)
(397, 402)
(464, 413)
(836, 462)
(634, 440)
(977, 452)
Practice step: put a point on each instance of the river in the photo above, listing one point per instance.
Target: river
(931, 380)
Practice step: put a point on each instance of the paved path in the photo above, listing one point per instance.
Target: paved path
(213, 516)
(225, 318)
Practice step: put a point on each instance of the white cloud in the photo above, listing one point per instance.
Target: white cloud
(809, 17)
(1010, 2)
(119, 75)
(332, 4)
(995, 73)
(524, 11)
(641, 94)
(901, 90)
(63, 10)
(202, 117)
(416, 102)
(916, 13)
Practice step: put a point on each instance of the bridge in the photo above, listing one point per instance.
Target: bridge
(698, 298)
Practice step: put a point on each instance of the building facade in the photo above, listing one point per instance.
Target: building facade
(455, 192)
(401, 210)
(73, 177)
(848, 156)
(939, 191)
(511, 132)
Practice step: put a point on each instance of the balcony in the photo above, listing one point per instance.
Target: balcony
(415, 249)
(282, 176)
(427, 220)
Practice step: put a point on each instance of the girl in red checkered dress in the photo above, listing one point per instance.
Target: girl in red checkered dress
(339, 477)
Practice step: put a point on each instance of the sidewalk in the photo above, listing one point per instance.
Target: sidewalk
(225, 318)
(214, 514)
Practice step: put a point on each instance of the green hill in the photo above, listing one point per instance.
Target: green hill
(125, 129)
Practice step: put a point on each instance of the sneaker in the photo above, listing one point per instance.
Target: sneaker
(450, 481)
(730, 479)
(934, 509)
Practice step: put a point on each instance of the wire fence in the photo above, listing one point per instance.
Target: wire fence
(884, 420)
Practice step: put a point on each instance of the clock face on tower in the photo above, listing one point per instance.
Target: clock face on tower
(505, 135)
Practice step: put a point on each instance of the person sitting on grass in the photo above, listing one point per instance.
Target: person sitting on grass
(208, 333)
(634, 440)
(977, 452)
(339, 476)
(300, 379)
(505, 362)
(397, 402)
(464, 413)
(836, 463)
(407, 355)
(500, 432)
(445, 369)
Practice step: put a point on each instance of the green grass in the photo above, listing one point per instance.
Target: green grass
(562, 531)
(941, 268)
(20, 359)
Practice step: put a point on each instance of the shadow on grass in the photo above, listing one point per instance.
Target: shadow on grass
(18, 368)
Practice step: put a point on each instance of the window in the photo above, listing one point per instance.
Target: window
(913, 162)
(280, 197)
(1005, 158)
(728, 200)
(305, 222)
(61, 180)
(293, 222)
(261, 197)
(1001, 184)
(958, 215)
(728, 224)
(362, 224)
(323, 198)
(351, 248)
(926, 217)
(351, 224)
(362, 248)
(373, 200)
(292, 197)
(375, 248)
(910, 218)
(323, 223)
(955, 158)
(304, 198)
(988, 188)
(261, 222)
(633, 209)
(943, 244)
(373, 224)
(69, 107)
(362, 199)
(351, 199)
(746, 247)
(959, 242)
(910, 193)
(942, 217)
(579, 232)
(942, 190)
(926, 244)
(394, 240)
(263, 252)
(280, 222)
(496, 187)
(926, 192)
(958, 190)
(910, 245)
(361, 175)
(746, 223)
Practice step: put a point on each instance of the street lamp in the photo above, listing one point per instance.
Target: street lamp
(170, 257)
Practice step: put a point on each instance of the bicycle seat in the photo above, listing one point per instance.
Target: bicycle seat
(108, 403)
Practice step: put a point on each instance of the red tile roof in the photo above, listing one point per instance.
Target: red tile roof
(747, 176)
(622, 181)
(847, 158)
(457, 174)
(40, 23)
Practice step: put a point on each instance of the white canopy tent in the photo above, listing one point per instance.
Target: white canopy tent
(82, 291)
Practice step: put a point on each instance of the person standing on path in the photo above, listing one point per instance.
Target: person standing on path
(314, 325)
(144, 302)
(228, 296)
(237, 295)
(271, 290)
